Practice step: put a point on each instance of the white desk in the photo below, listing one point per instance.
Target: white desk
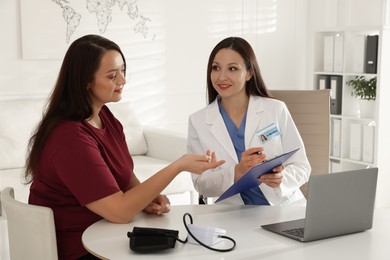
(110, 241)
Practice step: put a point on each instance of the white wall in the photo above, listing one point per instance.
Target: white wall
(167, 73)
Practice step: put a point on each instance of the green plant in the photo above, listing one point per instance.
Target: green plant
(363, 88)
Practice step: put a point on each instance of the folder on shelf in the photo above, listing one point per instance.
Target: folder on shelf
(355, 141)
(338, 53)
(249, 179)
(336, 137)
(368, 143)
(328, 53)
(323, 82)
(335, 94)
(371, 53)
(358, 46)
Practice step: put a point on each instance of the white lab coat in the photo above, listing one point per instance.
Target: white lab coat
(207, 131)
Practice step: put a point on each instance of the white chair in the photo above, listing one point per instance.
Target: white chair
(31, 229)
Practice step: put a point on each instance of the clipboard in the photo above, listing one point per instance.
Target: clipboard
(249, 179)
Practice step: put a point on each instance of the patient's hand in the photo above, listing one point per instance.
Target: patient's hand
(197, 163)
(159, 205)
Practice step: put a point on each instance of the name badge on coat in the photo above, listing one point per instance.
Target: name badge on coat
(270, 139)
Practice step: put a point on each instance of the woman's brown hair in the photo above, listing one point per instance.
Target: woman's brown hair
(70, 99)
(255, 86)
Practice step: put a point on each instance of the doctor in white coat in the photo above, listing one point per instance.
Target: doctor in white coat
(244, 126)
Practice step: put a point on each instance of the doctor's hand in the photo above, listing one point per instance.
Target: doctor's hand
(273, 179)
(249, 158)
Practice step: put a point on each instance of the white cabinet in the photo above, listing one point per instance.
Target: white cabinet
(339, 56)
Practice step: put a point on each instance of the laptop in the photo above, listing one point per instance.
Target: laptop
(337, 204)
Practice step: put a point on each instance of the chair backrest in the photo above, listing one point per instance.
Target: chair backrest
(310, 110)
(31, 229)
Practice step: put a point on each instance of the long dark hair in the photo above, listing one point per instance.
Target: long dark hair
(255, 86)
(70, 99)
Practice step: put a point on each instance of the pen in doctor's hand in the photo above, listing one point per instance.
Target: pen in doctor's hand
(249, 158)
(257, 153)
(256, 150)
(260, 153)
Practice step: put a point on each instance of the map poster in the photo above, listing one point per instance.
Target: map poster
(48, 27)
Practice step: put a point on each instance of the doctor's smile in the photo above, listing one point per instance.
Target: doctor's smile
(224, 86)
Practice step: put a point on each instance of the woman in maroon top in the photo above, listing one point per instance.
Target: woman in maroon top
(79, 163)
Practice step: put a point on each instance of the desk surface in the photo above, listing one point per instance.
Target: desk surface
(109, 241)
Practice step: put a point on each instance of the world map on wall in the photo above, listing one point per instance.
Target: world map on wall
(102, 9)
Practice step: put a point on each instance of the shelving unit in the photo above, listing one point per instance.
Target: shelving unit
(354, 144)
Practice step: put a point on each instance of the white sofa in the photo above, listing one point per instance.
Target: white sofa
(151, 148)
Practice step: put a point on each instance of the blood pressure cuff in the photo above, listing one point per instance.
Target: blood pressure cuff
(147, 240)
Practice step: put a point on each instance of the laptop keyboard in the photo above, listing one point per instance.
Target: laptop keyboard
(297, 232)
